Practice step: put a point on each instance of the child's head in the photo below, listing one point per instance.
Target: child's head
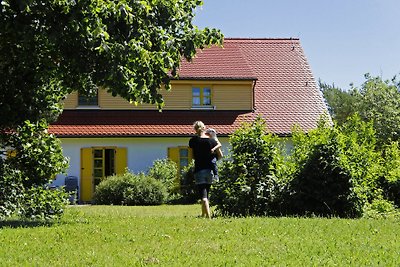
(211, 133)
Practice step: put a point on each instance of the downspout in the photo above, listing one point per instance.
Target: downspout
(254, 94)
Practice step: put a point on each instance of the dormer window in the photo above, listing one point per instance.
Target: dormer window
(201, 97)
(88, 101)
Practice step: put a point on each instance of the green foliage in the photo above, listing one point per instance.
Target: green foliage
(341, 103)
(165, 170)
(377, 100)
(50, 48)
(36, 159)
(250, 182)
(390, 179)
(380, 208)
(188, 189)
(130, 189)
(381, 104)
(361, 158)
(337, 169)
(44, 204)
(38, 154)
(11, 190)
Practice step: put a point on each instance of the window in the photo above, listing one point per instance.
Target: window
(103, 164)
(181, 155)
(201, 96)
(92, 100)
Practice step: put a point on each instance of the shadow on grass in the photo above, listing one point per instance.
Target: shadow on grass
(25, 223)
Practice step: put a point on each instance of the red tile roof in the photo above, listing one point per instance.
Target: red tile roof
(217, 63)
(285, 94)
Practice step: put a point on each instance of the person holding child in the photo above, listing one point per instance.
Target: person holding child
(203, 147)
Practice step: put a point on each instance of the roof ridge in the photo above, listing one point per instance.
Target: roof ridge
(261, 38)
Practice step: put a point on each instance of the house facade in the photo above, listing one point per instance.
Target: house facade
(223, 87)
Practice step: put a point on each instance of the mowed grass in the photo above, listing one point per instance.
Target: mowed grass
(175, 236)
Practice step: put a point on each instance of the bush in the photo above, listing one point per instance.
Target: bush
(166, 171)
(11, 190)
(250, 183)
(380, 208)
(188, 189)
(320, 185)
(390, 179)
(130, 189)
(336, 170)
(43, 203)
(39, 155)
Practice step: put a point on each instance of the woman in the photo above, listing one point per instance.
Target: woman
(202, 146)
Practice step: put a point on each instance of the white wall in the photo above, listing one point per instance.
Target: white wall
(141, 151)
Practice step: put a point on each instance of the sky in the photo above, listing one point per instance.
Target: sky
(342, 39)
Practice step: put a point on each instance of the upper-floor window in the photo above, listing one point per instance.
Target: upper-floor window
(201, 96)
(92, 100)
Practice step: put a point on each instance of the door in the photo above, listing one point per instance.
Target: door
(98, 163)
(181, 155)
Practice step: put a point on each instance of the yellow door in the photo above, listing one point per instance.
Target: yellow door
(120, 160)
(98, 163)
(86, 187)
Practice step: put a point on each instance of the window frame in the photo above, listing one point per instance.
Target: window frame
(174, 154)
(202, 97)
(87, 103)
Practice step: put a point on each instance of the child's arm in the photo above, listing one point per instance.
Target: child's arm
(218, 150)
(218, 146)
(219, 153)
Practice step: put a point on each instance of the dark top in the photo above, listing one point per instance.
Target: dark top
(202, 152)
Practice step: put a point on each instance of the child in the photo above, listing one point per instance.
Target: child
(216, 151)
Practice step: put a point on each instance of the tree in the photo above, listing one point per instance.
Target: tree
(340, 102)
(50, 48)
(130, 47)
(377, 100)
(381, 104)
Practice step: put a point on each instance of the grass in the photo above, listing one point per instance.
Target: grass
(174, 236)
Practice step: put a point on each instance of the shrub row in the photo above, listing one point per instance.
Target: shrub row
(331, 171)
(130, 189)
(158, 186)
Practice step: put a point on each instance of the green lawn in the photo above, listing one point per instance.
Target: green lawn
(174, 236)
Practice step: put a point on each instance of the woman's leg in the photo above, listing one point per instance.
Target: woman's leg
(205, 205)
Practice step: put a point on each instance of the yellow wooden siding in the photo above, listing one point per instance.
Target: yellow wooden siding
(232, 97)
(226, 95)
(71, 101)
(179, 98)
(107, 101)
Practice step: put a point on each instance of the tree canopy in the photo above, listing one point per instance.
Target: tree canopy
(377, 100)
(131, 47)
(50, 48)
